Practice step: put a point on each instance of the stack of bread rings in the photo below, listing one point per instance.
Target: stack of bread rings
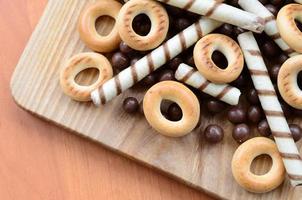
(157, 48)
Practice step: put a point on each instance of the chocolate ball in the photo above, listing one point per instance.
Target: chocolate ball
(273, 9)
(174, 112)
(166, 75)
(213, 133)
(120, 61)
(274, 71)
(252, 96)
(134, 60)
(282, 58)
(264, 129)
(296, 132)
(174, 11)
(287, 110)
(215, 106)
(254, 114)
(237, 115)
(226, 29)
(131, 105)
(182, 23)
(174, 63)
(149, 80)
(124, 48)
(270, 49)
(233, 2)
(241, 133)
(240, 81)
(237, 30)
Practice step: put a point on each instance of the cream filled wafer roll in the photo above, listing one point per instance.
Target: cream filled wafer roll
(219, 11)
(192, 77)
(270, 28)
(272, 108)
(155, 59)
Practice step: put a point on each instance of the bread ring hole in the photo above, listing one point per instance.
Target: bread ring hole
(298, 24)
(141, 24)
(87, 76)
(170, 110)
(219, 59)
(104, 25)
(299, 80)
(261, 164)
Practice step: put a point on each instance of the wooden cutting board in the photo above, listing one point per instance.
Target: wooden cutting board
(35, 87)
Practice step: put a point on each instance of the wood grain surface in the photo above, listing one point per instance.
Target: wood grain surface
(41, 161)
(35, 87)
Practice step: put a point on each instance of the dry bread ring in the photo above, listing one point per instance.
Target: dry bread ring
(288, 29)
(242, 160)
(159, 24)
(87, 29)
(79, 63)
(178, 93)
(203, 51)
(287, 81)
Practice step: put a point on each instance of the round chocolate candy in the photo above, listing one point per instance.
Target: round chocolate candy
(270, 49)
(264, 129)
(120, 61)
(274, 71)
(124, 48)
(252, 96)
(240, 81)
(166, 75)
(237, 115)
(226, 29)
(149, 80)
(254, 114)
(130, 105)
(241, 133)
(215, 106)
(174, 63)
(296, 132)
(181, 23)
(213, 133)
(174, 112)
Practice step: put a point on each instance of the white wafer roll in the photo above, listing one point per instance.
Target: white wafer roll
(192, 77)
(270, 28)
(219, 11)
(298, 1)
(272, 108)
(158, 57)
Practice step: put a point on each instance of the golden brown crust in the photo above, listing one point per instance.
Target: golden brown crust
(79, 63)
(159, 21)
(178, 93)
(87, 29)
(288, 29)
(287, 81)
(242, 160)
(203, 58)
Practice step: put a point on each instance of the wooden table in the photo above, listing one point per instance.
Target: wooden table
(40, 161)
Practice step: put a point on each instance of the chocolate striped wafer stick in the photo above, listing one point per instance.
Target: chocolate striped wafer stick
(158, 57)
(219, 11)
(272, 108)
(270, 28)
(192, 77)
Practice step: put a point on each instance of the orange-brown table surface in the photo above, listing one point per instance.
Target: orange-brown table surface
(41, 161)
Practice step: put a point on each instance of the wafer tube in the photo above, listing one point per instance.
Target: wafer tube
(219, 11)
(270, 28)
(158, 57)
(272, 108)
(192, 77)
